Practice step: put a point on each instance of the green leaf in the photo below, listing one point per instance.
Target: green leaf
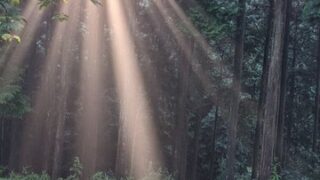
(60, 17)
(14, 2)
(17, 38)
(10, 37)
(46, 3)
(6, 37)
(96, 2)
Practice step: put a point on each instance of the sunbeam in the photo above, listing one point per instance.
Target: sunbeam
(49, 111)
(159, 89)
(136, 143)
(12, 59)
(188, 42)
(90, 89)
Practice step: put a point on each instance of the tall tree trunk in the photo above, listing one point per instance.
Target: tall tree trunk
(181, 142)
(61, 109)
(2, 141)
(317, 101)
(213, 144)
(233, 120)
(121, 166)
(273, 92)
(58, 144)
(196, 150)
(262, 96)
(5, 133)
(202, 113)
(291, 97)
(283, 88)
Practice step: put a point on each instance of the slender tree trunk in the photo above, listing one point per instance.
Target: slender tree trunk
(60, 127)
(283, 89)
(196, 150)
(14, 144)
(181, 142)
(63, 90)
(2, 141)
(233, 120)
(291, 97)
(317, 101)
(58, 146)
(262, 96)
(203, 112)
(273, 92)
(5, 133)
(213, 143)
(121, 166)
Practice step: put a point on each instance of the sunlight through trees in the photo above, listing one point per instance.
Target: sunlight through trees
(159, 89)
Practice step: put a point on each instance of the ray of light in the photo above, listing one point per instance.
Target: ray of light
(91, 88)
(67, 63)
(136, 139)
(13, 56)
(169, 10)
(39, 128)
(26, 13)
(197, 36)
(149, 68)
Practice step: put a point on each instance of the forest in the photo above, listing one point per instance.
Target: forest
(159, 89)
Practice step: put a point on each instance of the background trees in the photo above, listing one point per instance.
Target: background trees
(233, 87)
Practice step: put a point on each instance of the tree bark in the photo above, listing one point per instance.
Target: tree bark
(283, 89)
(317, 101)
(1, 140)
(273, 92)
(291, 97)
(262, 96)
(181, 142)
(203, 112)
(213, 143)
(196, 150)
(233, 120)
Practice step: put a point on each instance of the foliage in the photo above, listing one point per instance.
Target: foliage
(75, 170)
(27, 175)
(215, 21)
(102, 176)
(10, 20)
(9, 37)
(311, 10)
(159, 174)
(12, 102)
(47, 3)
(60, 17)
(275, 174)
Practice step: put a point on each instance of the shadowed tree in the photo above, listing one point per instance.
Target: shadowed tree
(273, 91)
(283, 88)
(317, 100)
(236, 89)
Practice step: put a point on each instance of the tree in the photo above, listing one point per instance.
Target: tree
(273, 92)
(262, 95)
(317, 101)
(283, 88)
(181, 140)
(233, 121)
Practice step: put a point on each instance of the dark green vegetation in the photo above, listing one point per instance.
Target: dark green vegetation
(75, 173)
(233, 88)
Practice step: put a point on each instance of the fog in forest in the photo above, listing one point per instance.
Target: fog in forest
(159, 89)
